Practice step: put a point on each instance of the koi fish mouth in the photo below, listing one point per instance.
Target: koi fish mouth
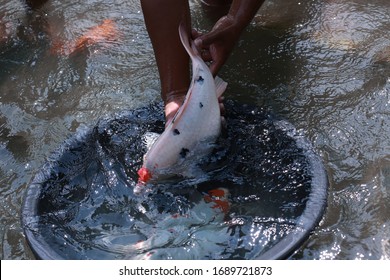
(144, 175)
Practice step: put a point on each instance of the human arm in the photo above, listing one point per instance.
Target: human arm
(162, 19)
(216, 45)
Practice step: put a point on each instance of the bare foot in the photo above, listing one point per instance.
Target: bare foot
(177, 99)
(171, 109)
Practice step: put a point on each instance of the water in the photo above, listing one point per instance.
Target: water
(88, 206)
(322, 65)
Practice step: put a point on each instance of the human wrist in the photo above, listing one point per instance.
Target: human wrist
(242, 12)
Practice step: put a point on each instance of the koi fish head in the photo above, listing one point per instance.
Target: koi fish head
(144, 175)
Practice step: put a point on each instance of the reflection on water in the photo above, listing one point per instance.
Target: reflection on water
(323, 65)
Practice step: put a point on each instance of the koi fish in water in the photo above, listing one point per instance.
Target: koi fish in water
(196, 125)
(199, 225)
(107, 31)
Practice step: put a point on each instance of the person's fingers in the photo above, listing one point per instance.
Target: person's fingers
(198, 43)
(204, 52)
(204, 44)
(207, 39)
(206, 56)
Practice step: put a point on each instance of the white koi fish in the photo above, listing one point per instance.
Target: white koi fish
(195, 126)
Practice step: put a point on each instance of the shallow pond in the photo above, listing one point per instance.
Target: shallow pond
(322, 65)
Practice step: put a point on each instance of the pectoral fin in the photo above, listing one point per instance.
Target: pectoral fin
(220, 86)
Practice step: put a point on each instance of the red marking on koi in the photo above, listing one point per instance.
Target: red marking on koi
(144, 174)
(218, 197)
(217, 192)
(223, 205)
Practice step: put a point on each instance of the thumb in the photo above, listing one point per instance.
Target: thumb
(207, 39)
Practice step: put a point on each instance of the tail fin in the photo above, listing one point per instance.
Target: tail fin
(186, 41)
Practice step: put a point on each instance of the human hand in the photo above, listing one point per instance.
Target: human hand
(216, 46)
